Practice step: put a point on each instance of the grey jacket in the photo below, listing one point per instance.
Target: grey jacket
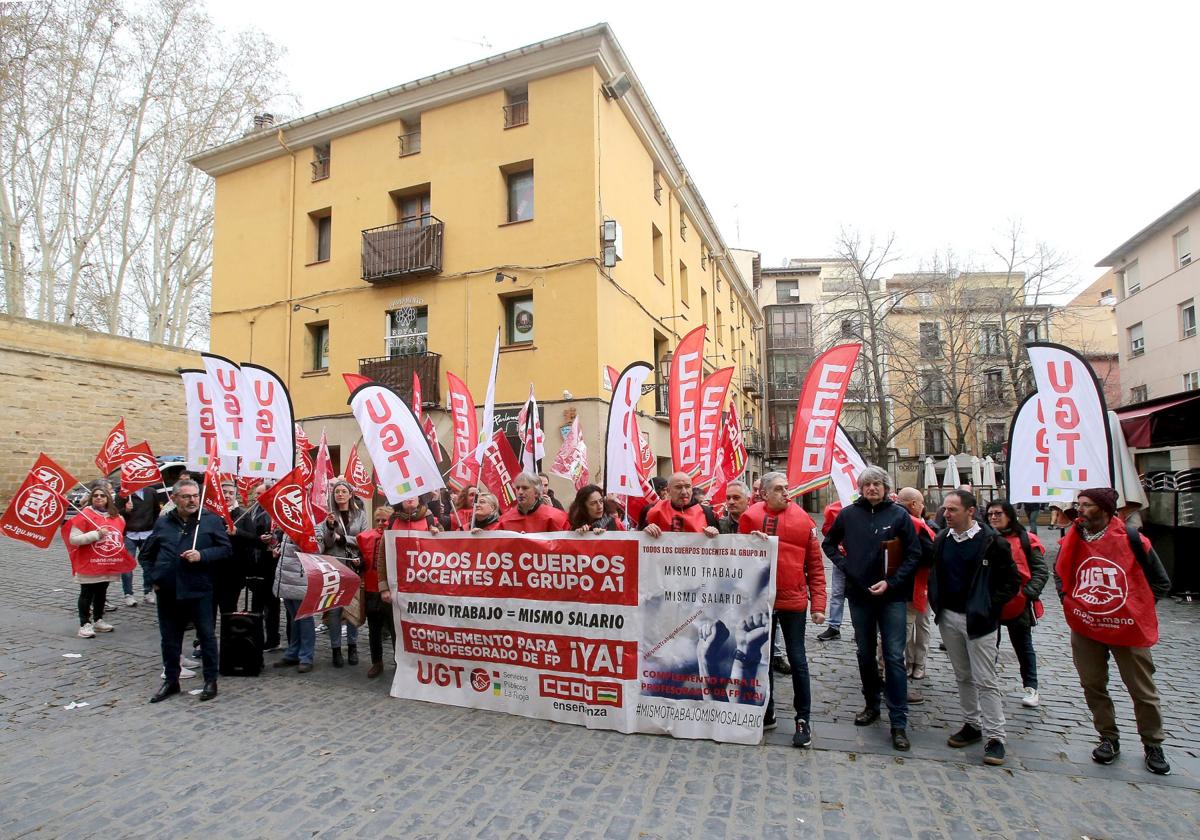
(290, 581)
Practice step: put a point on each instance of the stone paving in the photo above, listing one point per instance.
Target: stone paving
(330, 754)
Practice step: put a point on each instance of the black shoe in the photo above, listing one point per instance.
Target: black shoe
(993, 753)
(829, 635)
(1106, 751)
(209, 691)
(780, 665)
(165, 691)
(304, 668)
(965, 736)
(867, 716)
(1156, 762)
(900, 740)
(352, 655)
(803, 736)
(337, 658)
(769, 723)
(286, 663)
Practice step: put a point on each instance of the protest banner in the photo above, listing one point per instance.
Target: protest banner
(1029, 473)
(499, 470)
(708, 424)
(270, 449)
(358, 476)
(1072, 409)
(113, 449)
(404, 465)
(330, 584)
(687, 372)
(465, 471)
(201, 420)
(612, 631)
(622, 440)
(36, 509)
(286, 502)
(810, 455)
(139, 469)
(229, 407)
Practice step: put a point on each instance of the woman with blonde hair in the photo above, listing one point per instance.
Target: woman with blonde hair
(338, 537)
(95, 539)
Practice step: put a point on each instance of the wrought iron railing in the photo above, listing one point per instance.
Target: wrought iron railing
(397, 373)
(403, 249)
(516, 113)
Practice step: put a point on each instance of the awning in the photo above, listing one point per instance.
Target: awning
(1169, 421)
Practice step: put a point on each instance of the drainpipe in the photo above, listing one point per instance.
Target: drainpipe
(291, 259)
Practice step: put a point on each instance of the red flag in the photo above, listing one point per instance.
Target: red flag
(465, 471)
(356, 474)
(416, 403)
(35, 511)
(110, 454)
(330, 584)
(214, 499)
(810, 455)
(46, 471)
(286, 502)
(733, 455)
(500, 467)
(139, 469)
(614, 376)
(322, 472)
(435, 445)
(354, 381)
(304, 460)
(708, 424)
(245, 485)
(687, 372)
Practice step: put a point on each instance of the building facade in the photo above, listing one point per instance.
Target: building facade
(535, 193)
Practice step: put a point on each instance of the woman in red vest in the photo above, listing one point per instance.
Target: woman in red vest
(95, 539)
(800, 584)
(377, 605)
(1021, 613)
(587, 512)
(464, 506)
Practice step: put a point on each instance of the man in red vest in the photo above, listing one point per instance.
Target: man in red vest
(1109, 579)
(531, 515)
(680, 512)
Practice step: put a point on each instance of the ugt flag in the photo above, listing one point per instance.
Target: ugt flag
(404, 465)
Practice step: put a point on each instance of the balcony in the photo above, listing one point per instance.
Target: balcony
(402, 250)
(751, 381)
(410, 143)
(754, 441)
(397, 373)
(320, 169)
(516, 113)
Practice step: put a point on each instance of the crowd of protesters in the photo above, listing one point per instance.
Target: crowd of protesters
(972, 570)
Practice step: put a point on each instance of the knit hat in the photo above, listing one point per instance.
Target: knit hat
(1104, 498)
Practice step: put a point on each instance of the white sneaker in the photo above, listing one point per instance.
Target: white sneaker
(149, 598)
(188, 662)
(184, 674)
(130, 601)
(1030, 700)
(102, 626)
(87, 631)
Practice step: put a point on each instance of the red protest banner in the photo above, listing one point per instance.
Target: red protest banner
(810, 454)
(287, 504)
(687, 373)
(465, 471)
(330, 584)
(46, 471)
(113, 451)
(499, 469)
(139, 469)
(357, 475)
(34, 512)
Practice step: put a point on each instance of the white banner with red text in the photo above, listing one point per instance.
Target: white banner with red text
(616, 631)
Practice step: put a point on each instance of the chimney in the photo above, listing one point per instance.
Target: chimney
(263, 120)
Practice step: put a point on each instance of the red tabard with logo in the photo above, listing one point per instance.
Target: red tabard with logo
(1016, 606)
(368, 544)
(1106, 596)
(105, 557)
(543, 519)
(920, 599)
(690, 520)
(801, 567)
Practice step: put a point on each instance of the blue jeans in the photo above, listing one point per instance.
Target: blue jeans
(173, 616)
(837, 598)
(134, 547)
(886, 620)
(335, 629)
(302, 641)
(792, 626)
(1021, 636)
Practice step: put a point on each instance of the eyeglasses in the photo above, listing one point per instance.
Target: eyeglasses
(992, 513)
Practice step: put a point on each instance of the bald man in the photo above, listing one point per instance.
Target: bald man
(680, 512)
(919, 619)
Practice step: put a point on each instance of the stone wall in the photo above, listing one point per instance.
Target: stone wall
(63, 388)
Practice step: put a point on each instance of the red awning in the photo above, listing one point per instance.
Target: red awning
(1137, 423)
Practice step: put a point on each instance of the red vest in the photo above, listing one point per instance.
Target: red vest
(920, 598)
(368, 543)
(690, 520)
(543, 519)
(460, 520)
(801, 569)
(1105, 593)
(1016, 606)
(106, 557)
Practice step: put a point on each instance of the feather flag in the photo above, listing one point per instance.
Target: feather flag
(533, 441)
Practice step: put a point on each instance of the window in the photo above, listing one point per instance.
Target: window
(413, 209)
(1137, 340)
(924, 299)
(410, 137)
(1191, 380)
(1029, 331)
(787, 291)
(991, 341)
(786, 371)
(782, 418)
(516, 107)
(1183, 248)
(719, 325)
(320, 162)
(658, 186)
(1187, 318)
(996, 434)
(935, 438)
(656, 239)
(993, 386)
(931, 339)
(520, 193)
(789, 326)
(518, 319)
(933, 388)
(407, 331)
(318, 335)
(1132, 276)
(684, 291)
(1139, 393)
(703, 307)
(851, 328)
(321, 228)
(683, 227)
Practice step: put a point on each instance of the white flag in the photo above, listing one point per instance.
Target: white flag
(272, 448)
(1073, 411)
(230, 405)
(533, 441)
(847, 464)
(201, 422)
(489, 405)
(1029, 458)
(622, 441)
(404, 465)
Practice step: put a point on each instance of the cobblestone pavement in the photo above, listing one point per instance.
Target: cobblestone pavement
(330, 754)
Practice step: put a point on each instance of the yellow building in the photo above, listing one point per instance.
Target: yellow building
(536, 192)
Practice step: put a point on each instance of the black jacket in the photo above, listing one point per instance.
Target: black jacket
(171, 537)
(993, 583)
(146, 508)
(855, 545)
(728, 524)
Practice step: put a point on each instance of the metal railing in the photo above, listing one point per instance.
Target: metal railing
(403, 249)
(516, 113)
(320, 168)
(410, 143)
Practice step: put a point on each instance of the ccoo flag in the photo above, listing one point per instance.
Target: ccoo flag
(810, 455)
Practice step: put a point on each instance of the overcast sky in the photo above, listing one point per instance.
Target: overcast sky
(938, 122)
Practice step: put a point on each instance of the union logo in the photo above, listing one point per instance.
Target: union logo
(38, 506)
(116, 445)
(110, 543)
(51, 478)
(1102, 585)
(288, 506)
(139, 468)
